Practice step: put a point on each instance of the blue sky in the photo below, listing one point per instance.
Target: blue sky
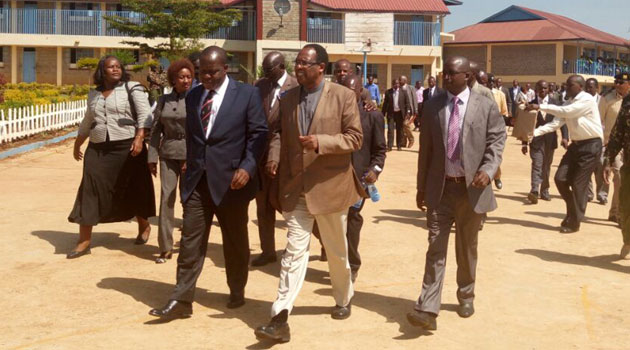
(612, 16)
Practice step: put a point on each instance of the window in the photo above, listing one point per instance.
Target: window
(1, 54)
(77, 54)
(81, 6)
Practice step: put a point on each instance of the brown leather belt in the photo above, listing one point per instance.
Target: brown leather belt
(456, 180)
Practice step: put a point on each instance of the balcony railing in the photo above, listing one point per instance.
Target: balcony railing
(416, 33)
(88, 22)
(583, 66)
(325, 30)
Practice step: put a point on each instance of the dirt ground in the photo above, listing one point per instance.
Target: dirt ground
(536, 288)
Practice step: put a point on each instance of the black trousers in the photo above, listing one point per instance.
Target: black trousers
(572, 177)
(353, 235)
(199, 211)
(266, 216)
(395, 122)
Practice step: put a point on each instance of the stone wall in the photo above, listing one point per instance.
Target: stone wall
(378, 27)
(524, 60)
(473, 53)
(290, 21)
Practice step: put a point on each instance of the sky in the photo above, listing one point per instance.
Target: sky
(611, 16)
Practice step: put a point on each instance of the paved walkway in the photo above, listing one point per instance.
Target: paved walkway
(536, 288)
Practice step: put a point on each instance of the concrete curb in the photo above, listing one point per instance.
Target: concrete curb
(33, 146)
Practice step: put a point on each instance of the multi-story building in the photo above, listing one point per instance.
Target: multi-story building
(42, 40)
(529, 45)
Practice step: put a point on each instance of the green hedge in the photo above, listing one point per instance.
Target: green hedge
(28, 94)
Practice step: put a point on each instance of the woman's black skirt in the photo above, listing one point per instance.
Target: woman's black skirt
(115, 186)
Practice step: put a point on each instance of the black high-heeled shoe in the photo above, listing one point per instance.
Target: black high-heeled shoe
(163, 257)
(76, 254)
(139, 240)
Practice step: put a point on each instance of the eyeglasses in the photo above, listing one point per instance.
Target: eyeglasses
(304, 63)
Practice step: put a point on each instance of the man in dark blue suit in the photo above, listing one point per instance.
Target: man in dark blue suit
(226, 133)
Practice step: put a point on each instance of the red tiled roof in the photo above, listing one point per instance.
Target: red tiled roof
(411, 6)
(552, 27)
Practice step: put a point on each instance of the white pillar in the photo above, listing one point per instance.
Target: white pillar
(14, 64)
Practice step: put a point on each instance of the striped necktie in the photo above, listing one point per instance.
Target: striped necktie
(206, 111)
(454, 130)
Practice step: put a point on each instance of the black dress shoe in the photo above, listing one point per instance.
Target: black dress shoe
(466, 310)
(498, 184)
(398, 148)
(342, 312)
(139, 240)
(567, 229)
(422, 319)
(276, 331)
(545, 196)
(236, 300)
(389, 149)
(264, 259)
(75, 254)
(173, 309)
(565, 222)
(613, 218)
(533, 197)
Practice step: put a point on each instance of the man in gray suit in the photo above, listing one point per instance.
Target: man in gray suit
(461, 147)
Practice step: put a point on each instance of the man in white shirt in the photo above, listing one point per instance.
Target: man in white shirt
(531, 94)
(581, 115)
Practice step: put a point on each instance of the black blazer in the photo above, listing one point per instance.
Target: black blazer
(373, 148)
(425, 94)
(237, 140)
(403, 103)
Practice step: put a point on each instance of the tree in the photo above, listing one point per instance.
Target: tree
(181, 22)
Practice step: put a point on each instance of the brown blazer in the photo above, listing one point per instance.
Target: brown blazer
(265, 86)
(326, 177)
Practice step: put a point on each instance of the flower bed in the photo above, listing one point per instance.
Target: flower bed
(29, 94)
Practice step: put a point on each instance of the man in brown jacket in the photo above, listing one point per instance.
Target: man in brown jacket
(311, 154)
(273, 86)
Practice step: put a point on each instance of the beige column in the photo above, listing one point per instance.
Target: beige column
(58, 17)
(14, 16)
(259, 56)
(103, 22)
(59, 65)
(489, 58)
(14, 64)
(559, 60)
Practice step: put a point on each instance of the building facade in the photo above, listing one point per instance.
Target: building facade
(43, 40)
(529, 45)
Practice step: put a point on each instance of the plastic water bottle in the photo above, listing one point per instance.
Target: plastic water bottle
(373, 192)
(357, 205)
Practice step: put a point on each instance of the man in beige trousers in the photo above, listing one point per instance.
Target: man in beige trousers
(311, 155)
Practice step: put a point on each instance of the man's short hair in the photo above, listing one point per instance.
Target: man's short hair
(321, 56)
(592, 80)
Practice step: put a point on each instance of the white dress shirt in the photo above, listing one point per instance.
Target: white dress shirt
(395, 98)
(276, 92)
(580, 114)
(219, 94)
(455, 168)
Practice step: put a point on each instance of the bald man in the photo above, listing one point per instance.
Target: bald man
(461, 145)
(341, 69)
(272, 87)
(226, 134)
(581, 115)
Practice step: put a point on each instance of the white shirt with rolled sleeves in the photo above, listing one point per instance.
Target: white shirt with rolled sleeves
(580, 114)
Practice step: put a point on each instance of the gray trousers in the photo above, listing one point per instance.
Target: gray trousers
(170, 170)
(541, 152)
(453, 208)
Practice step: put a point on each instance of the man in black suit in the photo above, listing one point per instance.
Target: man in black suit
(226, 133)
(429, 92)
(395, 107)
(541, 148)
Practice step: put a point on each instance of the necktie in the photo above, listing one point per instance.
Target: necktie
(453, 131)
(206, 111)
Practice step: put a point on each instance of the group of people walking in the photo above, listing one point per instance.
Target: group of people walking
(309, 149)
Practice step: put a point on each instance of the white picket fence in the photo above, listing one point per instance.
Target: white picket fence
(17, 123)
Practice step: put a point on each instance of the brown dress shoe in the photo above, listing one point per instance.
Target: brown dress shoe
(422, 319)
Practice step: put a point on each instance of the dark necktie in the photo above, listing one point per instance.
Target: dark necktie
(206, 111)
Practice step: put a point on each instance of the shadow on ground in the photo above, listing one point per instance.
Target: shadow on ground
(605, 262)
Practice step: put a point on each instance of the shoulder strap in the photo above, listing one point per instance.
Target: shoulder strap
(132, 104)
